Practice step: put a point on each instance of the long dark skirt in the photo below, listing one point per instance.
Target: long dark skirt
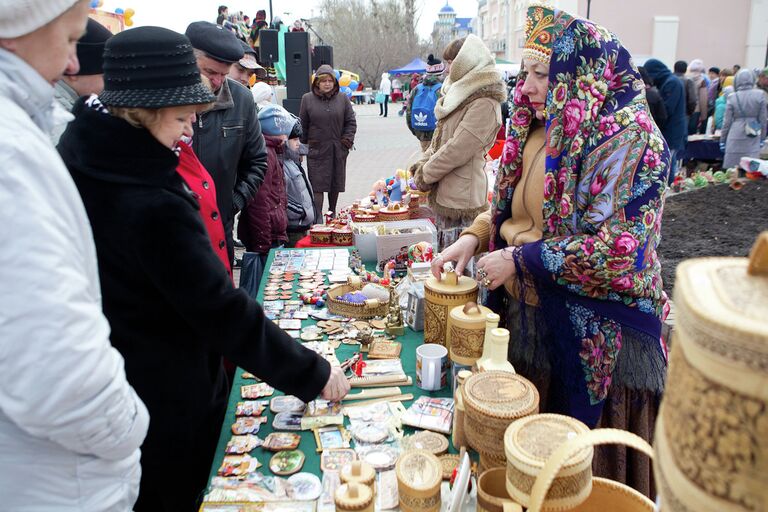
(629, 406)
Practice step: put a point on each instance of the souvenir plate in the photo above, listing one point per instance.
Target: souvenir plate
(380, 457)
(286, 403)
(286, 462)
(238, 465)
(333, 459)
(448, 462)
(287, 421)
(305, 487)
(432, 442)
(371, 434)
(278, 441)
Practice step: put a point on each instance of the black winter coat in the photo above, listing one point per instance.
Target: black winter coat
(229, 144)
(172, 307)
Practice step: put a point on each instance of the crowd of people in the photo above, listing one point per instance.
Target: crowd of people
(129, 306)
(130, 156)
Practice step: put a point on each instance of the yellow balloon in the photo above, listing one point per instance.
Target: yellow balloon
(129, 23)
(129, 13)
(345, 80)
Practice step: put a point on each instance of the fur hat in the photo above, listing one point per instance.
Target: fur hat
(20, 17)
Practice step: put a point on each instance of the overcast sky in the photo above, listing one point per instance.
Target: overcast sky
(177, 14)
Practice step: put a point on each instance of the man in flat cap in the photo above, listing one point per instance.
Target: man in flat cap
(227, 138)
(88, 80)
(245, 68)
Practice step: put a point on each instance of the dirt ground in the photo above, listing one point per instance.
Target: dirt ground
(712, 221)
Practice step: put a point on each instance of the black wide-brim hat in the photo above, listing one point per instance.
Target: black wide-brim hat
(152, 67)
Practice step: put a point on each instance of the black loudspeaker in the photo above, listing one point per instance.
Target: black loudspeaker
(269, 52)
(298, 67)
(292, 105)
(322, 54)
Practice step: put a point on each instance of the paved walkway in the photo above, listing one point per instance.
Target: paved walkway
(382, 145)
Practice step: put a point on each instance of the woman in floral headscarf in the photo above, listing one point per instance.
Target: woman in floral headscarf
(572, 235)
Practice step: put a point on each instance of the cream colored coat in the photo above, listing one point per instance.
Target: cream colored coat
(469, 117)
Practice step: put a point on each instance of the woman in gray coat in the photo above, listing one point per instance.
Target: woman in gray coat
(746, 106)
(328, 125)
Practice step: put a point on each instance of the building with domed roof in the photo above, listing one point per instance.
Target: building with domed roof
(448, 27)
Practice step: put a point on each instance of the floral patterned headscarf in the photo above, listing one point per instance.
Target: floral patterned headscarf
(605, 177)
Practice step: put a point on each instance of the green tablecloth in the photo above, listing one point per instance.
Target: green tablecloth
(409, 341)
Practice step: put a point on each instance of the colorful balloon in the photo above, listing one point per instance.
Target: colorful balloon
(95, 4)
(345, 80)
(337, 73)
(353, 85)
(119, 10)
(129, 12)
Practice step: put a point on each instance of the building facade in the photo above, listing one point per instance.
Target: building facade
(449, 27)
(721, 34)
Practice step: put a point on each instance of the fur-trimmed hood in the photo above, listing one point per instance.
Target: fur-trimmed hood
(473, 69)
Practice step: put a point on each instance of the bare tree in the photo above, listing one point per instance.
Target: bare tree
(370, 37)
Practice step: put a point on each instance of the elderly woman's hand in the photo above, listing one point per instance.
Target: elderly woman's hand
(496, 268)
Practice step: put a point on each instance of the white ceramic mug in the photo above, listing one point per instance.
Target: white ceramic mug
(431, 366)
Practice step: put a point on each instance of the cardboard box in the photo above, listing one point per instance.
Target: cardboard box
(375, 247)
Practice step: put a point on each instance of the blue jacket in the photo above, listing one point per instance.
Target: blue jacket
(675, 129)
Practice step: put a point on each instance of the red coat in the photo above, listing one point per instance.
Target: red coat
(264, 220)
(201, 183)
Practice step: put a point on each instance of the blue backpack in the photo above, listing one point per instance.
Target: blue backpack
(423, 108)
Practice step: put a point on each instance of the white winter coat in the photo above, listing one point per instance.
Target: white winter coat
(385, 87)
(70, 425)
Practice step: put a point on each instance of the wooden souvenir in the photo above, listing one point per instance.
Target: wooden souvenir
(466, 333)
(493, 400)
(288, 420)
(358, 472)
(528, 444)
(434, 443)
(394, 212)
(238, 445)
(371, 433)
(286, 462)
(488, 461)
(259, 390)
(458, 434)
(246, 425)
(448, 463)
(331, 437)
(333, 459)
(419, 475)
(495, 350)
(382, 458)
(384, 350)
(365, 216)
(278, 441)
(321, 234)
(711, 439)
(353, 498)
(238, 465)
(342, 236)
(440, 297)
(492, 492)
(286, 403)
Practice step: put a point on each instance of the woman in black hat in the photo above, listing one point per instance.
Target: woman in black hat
(172, 307)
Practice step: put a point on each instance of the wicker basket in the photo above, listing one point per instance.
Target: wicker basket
(493, 400)
(605, 495)
(365, 216)
(369, 309)
(712, 429)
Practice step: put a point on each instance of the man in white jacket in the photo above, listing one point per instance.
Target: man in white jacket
(70, 425)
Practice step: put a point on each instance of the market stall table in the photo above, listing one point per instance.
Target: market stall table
(410, 341)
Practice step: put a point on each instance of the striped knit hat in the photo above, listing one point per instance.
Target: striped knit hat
(20, 17)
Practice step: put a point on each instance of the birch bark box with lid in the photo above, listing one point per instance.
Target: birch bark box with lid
(711, 439)
(440, 297)
(419, 475)
(353, 498)
(529, 442)
(466, 333)
(493, 400)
